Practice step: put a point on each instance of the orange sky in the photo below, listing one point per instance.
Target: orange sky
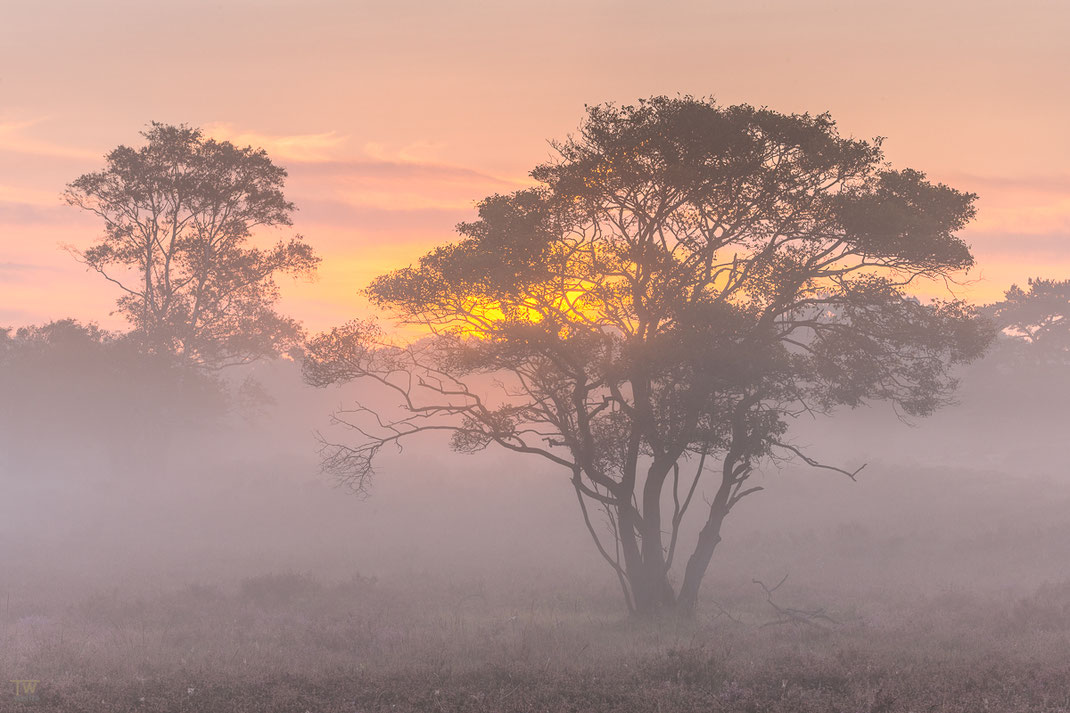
(394, 118)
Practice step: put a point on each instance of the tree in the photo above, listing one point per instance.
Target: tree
(100, 391)
(1038, 317)
(685, 279)
(178, 214)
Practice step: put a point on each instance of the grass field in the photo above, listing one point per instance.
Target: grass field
(289, 642)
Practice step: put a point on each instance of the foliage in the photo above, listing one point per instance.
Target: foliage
(685, 279)
(1038, 317)
(98, 389)
(178, 214)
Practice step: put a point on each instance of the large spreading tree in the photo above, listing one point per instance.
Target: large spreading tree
(684, 280)
(179, 215)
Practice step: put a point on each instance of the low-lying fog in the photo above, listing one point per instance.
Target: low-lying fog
(973, 498)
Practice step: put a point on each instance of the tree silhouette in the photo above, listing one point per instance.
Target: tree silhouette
(179, 213)
(685, 280)
(1039, 316)
(101, 391)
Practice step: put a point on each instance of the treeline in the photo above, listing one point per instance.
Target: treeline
(75, 395)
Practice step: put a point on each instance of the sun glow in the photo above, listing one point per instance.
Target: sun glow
(481, 317)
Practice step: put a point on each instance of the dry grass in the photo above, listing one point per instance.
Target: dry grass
(288, 642)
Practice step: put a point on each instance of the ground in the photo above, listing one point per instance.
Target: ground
(294, 643)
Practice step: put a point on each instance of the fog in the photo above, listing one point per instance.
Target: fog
(690, 425)
(162, 547)
(974, 497)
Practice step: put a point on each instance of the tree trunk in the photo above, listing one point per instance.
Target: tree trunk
(651, 591)
(648, 580)
(656, 570)
(710, 536)
(699, 561)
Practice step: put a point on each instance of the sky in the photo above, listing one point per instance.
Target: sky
(395, 118)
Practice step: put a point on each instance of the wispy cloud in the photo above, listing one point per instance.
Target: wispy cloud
(390, 185)
(22, 267)
(21, 272)
(330, 153)
(1052, 183)
(1034, 214)
(15, 137)
(11, 317)
(1019, 205)
(1043, 248)
(409, 225)
(392, 169)
(415, 152)
(29, 196)
(298, 147)
(27, 214)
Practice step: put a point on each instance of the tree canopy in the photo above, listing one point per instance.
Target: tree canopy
(100, 391)
(1039, 316)
(179, 214)
(684, 280)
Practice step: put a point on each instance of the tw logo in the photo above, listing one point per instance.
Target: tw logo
(25, 689)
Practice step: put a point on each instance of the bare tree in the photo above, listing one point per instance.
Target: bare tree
(178, 215)
(685, 280)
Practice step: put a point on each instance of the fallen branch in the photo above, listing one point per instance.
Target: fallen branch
(791, 615)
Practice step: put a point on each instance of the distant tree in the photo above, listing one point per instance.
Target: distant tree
(1038, 317)
(178, 216)
(100, 390)
(685, 279)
